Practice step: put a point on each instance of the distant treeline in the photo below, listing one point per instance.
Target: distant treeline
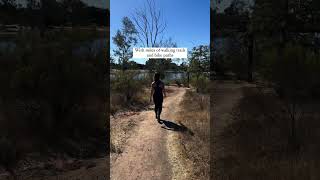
(151, 64)
(45, 13)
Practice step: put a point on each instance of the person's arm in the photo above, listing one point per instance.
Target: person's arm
(164, 91)
(151, 94)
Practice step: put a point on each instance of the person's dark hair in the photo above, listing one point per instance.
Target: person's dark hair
(156, 76)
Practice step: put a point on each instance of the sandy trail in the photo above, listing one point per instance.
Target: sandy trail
(145, 155)
(226, 95)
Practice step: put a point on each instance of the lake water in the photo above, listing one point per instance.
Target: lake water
(92, 46)
(146, 74)
(7, 46)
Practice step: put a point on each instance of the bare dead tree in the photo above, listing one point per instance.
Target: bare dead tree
(150, 24)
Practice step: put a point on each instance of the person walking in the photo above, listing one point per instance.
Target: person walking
(157, 93)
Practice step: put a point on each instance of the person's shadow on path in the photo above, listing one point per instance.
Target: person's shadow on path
(169, 125)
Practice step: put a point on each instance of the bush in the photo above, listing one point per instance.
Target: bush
(201, 83)
(296, 75)
(178, 83)
(126, 84)
(128, 91)
(184, 81)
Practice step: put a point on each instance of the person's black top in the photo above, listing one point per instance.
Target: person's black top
(158, 87)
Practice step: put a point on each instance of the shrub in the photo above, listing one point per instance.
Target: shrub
(296, 74)
(184, 81)
(126, 84)
(201, 83)
(128, 91)
(178, 83)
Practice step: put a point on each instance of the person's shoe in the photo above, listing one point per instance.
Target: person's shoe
(159, 121)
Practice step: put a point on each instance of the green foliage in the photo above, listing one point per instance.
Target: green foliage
(124, 40)
(199, 59)
(201, 83)
(239, 66)
(127, 84)
(184, 81)
(270, 16)
(234, 59)
(159, 65)
(199, 63)
(178, 83)
(128, 91)
(236, 8)
(296, 75)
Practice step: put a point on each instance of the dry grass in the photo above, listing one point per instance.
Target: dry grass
(195, 115)
(119, 103)
(256, 145)
(138, 102)
(121, 130)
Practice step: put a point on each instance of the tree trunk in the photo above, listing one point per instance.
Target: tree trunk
(250, 58)
(188, 74)
(197, 83)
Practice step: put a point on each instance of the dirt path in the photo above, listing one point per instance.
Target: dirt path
(226, 95)
(146, 154)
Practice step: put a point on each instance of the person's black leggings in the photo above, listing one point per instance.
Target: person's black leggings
(157, 106)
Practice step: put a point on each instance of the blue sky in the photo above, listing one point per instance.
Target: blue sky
(188, 21)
